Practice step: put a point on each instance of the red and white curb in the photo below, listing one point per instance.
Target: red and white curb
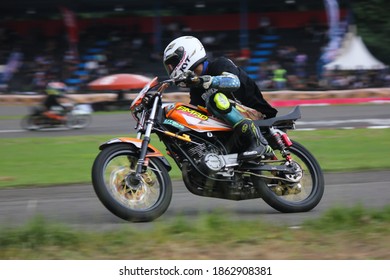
(329, 101)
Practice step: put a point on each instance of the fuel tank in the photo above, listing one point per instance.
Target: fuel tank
(195, 118)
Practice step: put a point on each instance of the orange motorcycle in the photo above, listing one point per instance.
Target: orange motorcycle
(77, 116)
(131, 177)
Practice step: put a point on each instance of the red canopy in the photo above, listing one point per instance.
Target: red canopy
(119, 82)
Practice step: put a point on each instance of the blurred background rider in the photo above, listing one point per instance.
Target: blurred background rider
(56, 92)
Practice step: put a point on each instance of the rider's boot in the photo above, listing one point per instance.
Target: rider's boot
(249, 138)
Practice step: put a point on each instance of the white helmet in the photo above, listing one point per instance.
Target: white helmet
(55, 88)
(183, 54)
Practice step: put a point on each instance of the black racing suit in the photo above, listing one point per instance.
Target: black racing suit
(248, 93)
(53, 100)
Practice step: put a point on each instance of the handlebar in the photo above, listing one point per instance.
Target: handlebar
(176, 81)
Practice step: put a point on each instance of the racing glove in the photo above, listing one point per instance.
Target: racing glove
(189, 79)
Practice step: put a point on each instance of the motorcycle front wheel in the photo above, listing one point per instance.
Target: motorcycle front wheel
(301, 196)
(144, 202)
(78, 121)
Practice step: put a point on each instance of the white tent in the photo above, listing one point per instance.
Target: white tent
(355, 56)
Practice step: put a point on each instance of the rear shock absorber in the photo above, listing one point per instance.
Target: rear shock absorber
(282, 141)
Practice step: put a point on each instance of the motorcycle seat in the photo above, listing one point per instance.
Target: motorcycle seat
(289, 117)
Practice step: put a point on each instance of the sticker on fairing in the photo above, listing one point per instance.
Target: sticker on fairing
(174, 124)
(193, 113)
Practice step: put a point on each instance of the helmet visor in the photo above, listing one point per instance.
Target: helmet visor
(172, 60)
(171, 63)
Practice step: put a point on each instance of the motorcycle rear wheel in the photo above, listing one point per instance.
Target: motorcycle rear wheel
(311, 185)
(143, 203)
(31, 122)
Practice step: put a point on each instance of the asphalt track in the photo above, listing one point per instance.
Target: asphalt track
(78, 206)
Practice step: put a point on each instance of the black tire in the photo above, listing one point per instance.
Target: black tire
(31, 122)
(78, 121)
(115, 194)
(312, 185)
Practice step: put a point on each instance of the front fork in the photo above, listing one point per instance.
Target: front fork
(143, 162)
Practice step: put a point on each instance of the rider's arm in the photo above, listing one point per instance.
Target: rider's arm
(226, 81)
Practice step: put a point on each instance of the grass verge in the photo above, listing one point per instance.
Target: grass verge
(354, 233)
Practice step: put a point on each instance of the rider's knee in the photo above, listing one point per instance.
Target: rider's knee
(220, 103)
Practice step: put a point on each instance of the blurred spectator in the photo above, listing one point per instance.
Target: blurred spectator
(296, 83)
(12, 66)
(286, 56)
(102, 70)
(279, 78)
(264, 76)
(300, 65)
(385, 76)
(312, 83)
(92, 66)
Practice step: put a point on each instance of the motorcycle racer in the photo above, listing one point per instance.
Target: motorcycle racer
(55, 91)
(211, 83)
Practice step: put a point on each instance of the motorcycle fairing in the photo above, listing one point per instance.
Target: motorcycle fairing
(52, 115)
(152, 151)
(195, 119)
